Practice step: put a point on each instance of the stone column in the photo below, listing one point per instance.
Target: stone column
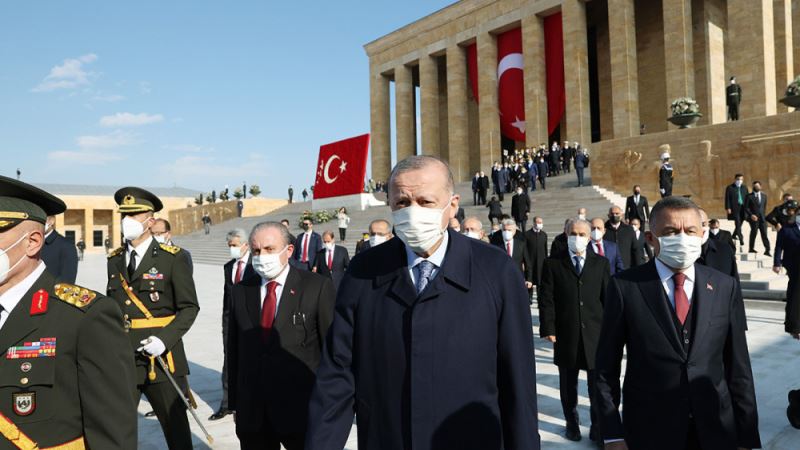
(752, 55)
(380, 123)
(404, 112)
(576, 72)
(796, 35)
(88, 227)
(784, 49)
(624, 69)
(535, 81)
(429, 100)
(488, 111)
(678, 50)
(116, 221)
(60, 223)
(457, 145)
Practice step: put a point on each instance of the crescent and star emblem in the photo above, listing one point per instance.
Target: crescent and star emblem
(511, 61)
(342, 168)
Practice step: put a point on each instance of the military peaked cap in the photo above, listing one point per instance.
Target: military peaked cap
(21, 201)
(132, 200)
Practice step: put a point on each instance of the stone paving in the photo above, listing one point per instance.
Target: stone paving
(775, 357)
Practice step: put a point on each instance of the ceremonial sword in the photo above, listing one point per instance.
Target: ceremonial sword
(183, 397)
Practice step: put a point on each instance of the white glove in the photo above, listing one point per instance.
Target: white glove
(152, 346)
(662, 191)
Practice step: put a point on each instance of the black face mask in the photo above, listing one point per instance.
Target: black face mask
(614, 219)
(756, 189)
(304, 226)
(637, 192)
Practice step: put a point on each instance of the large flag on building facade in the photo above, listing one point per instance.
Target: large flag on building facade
(341, 167)
(510, 84)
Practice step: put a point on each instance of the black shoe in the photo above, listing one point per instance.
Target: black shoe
(751, 251)
(150, 414)
(767, 253)
(573, 434)
(793, 410)
(220, 414)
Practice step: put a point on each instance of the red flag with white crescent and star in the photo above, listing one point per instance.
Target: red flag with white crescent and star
(341, 167)
(510, 90)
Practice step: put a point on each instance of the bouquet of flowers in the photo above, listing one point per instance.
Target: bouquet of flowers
(685, 106)
(794, 88)
(323, 216)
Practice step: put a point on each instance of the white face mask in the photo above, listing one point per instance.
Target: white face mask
(161, 239)
(269, 265)
(132, 229)
(714, 231)
(738, 183)
(539, 226)
(577, 244)
(419, 228)
(376, 240)
(329, 245)
(473, 234)
(508, 235)
(706, 234)
(679, 251)
(236, 252)
(5, 263)
(597, 235)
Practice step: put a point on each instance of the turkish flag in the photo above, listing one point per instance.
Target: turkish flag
(510, 84)
(341, 167)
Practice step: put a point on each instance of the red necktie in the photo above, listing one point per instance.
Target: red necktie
(681, 300)
(305, 248)
(268, 308)
(508, 248)
(238, 276)
(600, 249)
(330, 259)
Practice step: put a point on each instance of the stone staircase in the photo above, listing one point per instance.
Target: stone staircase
(560, 201)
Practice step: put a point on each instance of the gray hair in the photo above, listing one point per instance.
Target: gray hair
(267, 225)
(418, 162)
(576, 221)
(674, 203)
(236, 233)
(505, 222)
(473, 218)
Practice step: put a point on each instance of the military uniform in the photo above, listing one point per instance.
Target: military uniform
(157, 299)
(733, 96)
(65, 370)
(665, 177)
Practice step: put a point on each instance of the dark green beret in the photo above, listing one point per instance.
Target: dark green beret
(134, 200)
(21, 201)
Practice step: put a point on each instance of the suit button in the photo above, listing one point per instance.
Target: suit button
(24, 380)
(685, 341)
(583, 325)
(581, 303)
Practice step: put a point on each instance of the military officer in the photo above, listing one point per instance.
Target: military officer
(665, 176)
(66, 368)
(153, 285)
(733, 97)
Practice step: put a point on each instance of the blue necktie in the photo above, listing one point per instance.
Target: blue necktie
(425, 268)
(578, 267)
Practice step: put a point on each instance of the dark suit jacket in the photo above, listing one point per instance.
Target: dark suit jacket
(341, 259)
(61, 258)
(559, 245)
(520, 206)
(460, 214)
(465, 345)
(571, 307)
(227, 287)
(314, 245)
(719, 256)
(724, 236)
(753, 208)
(663, 383)
(628, 245)
(639, 211)
(536, 245)
(519, 252)
(270, 382)
(644, 247)
(787, 249)
(611, 252)
(361, 246)
(732, 199)
(580, 160)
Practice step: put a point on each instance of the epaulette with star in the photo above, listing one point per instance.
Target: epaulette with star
(170, 248)
(116, 252)
(77, 296)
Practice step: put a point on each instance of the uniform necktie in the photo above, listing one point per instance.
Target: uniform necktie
(132, 264)
(268, 308)
(238, 276)
(600, 251)
(739, 192)
(578, 267)
(330, 260)
(305, 247)
(425, 271)
(681, 300)
(508, 248)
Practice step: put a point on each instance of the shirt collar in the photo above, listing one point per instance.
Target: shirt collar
(436, 258)
(11, 297)
(281, 278)
(245, 257)
(572, 255)
(141, 248)
(665, 273)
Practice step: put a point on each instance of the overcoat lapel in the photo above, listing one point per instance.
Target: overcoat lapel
(656, 300)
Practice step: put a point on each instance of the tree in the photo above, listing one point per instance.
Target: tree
(199, 199)
(255, 190)
(237, 193)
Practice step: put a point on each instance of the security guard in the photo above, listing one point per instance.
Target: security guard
(153, 285)
(66, 368)
(665, 176)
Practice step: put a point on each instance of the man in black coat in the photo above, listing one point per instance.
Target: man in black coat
(332, 260)
(239, 267)
(636, 206)
(512, 242)
(59, 254)
(542, 168)
(483, 188)
(716, 254)
(735, 195)
(756, 209)
(278, 321)
(306, 246)
(571, 299)
(476, 186)
(646, 252)
(733, 96)
(536, 245)
(666, 176)
(719, 235)
(520, 208)
(625, 238)
(688, 381)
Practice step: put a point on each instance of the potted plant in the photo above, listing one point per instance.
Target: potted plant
(792, 98)
(685, 112)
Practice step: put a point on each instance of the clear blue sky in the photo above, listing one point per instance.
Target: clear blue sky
(196, 94)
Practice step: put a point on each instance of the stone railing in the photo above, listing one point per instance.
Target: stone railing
(187, 220)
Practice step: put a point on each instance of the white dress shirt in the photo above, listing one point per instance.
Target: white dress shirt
(281, 280)
(665, 274)
(243, 261)
(141, 249)
(582, 258)
(10, 298)
(436, 258)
